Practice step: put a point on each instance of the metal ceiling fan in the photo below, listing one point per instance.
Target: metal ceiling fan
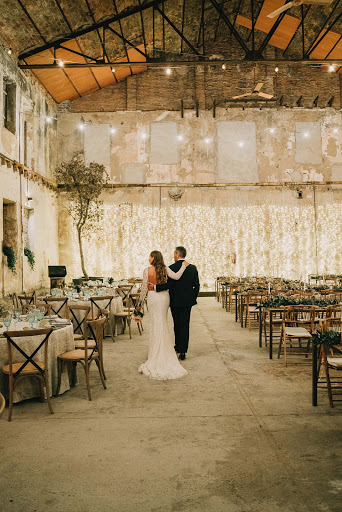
(295, 3)
(255, 92)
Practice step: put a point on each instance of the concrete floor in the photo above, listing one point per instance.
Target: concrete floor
(238, 434)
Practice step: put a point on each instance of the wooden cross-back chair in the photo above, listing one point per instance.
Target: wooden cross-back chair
(15, 300)
(47, 307)
(124, 291)
(125, 316)
(253, 299)
(331, 363)
(298, 324)
(24, 301)
(29, 367)
(102, 306)
(92, 351)
(73, 313)
(58, 305)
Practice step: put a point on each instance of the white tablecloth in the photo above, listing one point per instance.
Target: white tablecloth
(60, 341)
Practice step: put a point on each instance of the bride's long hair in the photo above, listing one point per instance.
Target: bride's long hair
(159, 265)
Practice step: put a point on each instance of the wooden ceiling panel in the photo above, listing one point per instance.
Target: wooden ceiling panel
(284, 32)
(324, 47)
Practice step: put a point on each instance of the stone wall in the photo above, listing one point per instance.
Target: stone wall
(38, 152)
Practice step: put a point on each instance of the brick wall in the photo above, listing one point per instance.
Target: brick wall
(154, 90)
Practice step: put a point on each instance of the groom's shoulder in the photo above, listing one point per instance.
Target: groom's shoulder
(174, 266)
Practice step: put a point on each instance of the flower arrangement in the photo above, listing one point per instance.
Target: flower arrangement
(328, 338)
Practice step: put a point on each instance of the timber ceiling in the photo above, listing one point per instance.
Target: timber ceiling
(88, 35)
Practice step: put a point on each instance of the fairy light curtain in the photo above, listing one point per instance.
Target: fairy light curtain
(267, 240)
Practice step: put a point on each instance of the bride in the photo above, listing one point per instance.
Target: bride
(162, 362)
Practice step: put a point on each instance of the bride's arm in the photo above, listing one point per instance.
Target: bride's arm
(177, 275)
(144, 287)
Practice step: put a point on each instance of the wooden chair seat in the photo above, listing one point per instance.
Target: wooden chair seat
(2, 403)
(297, 332)
(335, 362)
(123, 313)
(81, 343)
(29, 368)
(78, 337)
(76, 355)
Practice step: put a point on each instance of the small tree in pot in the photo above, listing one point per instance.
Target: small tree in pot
(83, 185)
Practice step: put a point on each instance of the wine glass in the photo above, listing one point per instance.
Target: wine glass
(31, 317)
(7, 321)
(17, 314)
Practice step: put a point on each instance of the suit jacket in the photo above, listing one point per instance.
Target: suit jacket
(184, 292)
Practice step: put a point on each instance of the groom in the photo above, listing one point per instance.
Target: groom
(183, 295)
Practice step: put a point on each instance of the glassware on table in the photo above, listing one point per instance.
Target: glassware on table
(17, 314)
(31, 318)
(7, 321)
(40, 315)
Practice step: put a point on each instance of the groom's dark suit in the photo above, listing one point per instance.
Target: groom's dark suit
(183, 295)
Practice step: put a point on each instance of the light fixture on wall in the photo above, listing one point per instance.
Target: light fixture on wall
(331, 68)
(276, 69)
(335, 130)
(112, 130)
(241, 144)
(144, 135)
(168, 71)
(272, 130)
(113, 70)
(175, 193)
(81, 127)
(306, 134)
(207, 140)
(223, 66)
(180, 137)
(61, 63)
(9, 51)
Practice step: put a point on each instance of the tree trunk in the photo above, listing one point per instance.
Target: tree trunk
(81, 253)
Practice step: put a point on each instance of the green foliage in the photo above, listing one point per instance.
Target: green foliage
(11, 258)
(30, 256)
(1, 309)
(327, 338)
(280, 301)
(111, 280)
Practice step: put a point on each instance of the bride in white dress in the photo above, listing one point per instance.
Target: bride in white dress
(162, 362)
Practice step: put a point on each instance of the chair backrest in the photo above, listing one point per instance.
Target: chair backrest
(57, 305)
(28, 358)
(333, 324)
(299, 313)
(15, 300)
(71, 314)
(27, 300)
(96, 329)
(124, 291)
(334, 311)
(97, 303)
(47, 307)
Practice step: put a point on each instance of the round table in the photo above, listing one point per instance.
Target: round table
(61, 340)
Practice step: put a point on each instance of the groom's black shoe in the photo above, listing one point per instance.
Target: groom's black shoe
(182, 356)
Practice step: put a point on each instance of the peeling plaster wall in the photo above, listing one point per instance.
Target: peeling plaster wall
(32, 106)
(266, 223)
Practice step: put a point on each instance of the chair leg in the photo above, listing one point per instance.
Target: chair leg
(129, 328)
(327, 376)
(86, 369)
(59, 373)
(41, 389)
(47, 387)
(99, 366)
(10, 405)
(139, 328)
(280, 344)
(285, 355)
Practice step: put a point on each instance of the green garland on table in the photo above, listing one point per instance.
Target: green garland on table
(281, 301)
(30, 256)
(111, 280)
(11, 258)
(328, 338)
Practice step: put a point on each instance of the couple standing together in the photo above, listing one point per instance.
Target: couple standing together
(176, 286)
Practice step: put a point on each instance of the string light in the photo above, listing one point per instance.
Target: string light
(272, 130)
(241, 144)
(112, 130)
(61, 63)
(48, 119)
(144, 135)
(331, 68)
(306, 134)
(276, 69)
(223, 66)
(180, 137)
(168, 71)
(81, 126)
(207, 140)
(335, 130)
(9, 51)
(113, 70)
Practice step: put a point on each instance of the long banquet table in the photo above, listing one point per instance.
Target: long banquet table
(61, 340)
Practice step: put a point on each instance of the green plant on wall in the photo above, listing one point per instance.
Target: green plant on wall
(11, 258)
(30, 256)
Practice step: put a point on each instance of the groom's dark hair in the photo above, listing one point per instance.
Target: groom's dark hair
(181, 251)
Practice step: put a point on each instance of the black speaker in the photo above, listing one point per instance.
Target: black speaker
(57, 271)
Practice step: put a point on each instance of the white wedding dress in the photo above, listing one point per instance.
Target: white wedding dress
(162, 362)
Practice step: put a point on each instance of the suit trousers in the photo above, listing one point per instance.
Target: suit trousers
(181, 323)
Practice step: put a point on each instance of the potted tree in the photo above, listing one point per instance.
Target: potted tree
(83, 185)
